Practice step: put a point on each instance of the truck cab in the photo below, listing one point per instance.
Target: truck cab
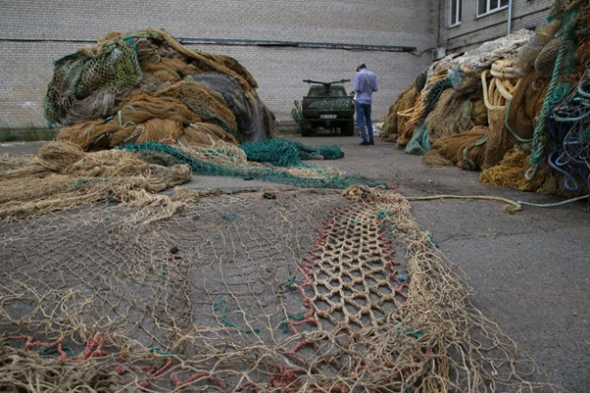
(327, 105)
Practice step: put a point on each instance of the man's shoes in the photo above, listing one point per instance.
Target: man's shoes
(365, 143)
(371, 142)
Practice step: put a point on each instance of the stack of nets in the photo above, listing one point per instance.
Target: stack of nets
(272, 290)
(146, 86)
(413, 117)
(526, 120)
(552, 108)
(394, 121)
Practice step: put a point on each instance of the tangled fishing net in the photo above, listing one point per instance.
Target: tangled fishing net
(271, 290)
(62, 176)
(536, 93)
(146, 86)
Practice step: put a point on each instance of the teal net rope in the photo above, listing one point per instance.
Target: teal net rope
(287, 153)
(167, 155)
(555, 94)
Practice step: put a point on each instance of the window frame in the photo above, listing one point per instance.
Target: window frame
(489, 10)
(455, 20)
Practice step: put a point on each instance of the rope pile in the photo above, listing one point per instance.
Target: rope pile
(533, 132)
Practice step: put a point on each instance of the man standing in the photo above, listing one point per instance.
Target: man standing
(365, 84)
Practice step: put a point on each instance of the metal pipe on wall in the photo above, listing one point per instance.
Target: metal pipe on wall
(509, 16)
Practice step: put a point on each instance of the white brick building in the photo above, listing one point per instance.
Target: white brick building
(266, 37)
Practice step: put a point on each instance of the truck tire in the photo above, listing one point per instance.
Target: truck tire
(305, 128)
(349, 128)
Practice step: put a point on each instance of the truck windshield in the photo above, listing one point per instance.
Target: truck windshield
(320, 91)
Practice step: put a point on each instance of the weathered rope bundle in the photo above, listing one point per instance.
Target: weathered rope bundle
(254, 300)
(498, 94)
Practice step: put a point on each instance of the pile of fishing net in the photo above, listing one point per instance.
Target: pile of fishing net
(515, 108)
(306, 290)
(62, 176)
(146, 86)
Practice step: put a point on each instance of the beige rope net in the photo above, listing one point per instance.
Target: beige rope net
(394, 120)
(498, 92)
(146, 86)
(268, 290)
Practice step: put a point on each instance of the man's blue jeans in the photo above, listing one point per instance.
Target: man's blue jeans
(363, 118)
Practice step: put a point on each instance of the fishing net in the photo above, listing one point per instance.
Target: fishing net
(433, 95)
(272, 290)
(393, 120)
(419, 143)
(569, 138)
(62, 176)
(408, 119)
(498, 94)
(480, 58)
(146, 86)
(209, 161)
(452, 115)
(526, 104)
(288, 153)
(509, 173)
(465, 150)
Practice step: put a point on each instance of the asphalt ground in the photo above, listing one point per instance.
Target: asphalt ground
(530, 270)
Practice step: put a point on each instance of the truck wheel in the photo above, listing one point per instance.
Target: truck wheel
(349, 129)
(305, 128)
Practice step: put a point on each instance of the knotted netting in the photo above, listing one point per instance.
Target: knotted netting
(146, 86)
(267, 290)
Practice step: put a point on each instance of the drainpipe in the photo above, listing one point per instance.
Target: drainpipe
(509, 16)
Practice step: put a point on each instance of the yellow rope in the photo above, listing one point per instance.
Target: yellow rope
(511, 206)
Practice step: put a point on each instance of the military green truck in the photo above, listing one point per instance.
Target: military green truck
(327, 105)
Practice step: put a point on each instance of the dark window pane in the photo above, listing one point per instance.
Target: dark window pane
(482, 6)
(493, 4)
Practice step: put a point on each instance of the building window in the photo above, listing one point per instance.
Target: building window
(488, 6)
(456, 9)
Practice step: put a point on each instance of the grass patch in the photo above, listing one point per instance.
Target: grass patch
(27, 135)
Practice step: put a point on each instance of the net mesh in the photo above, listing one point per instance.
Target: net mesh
(147, 86)
(62, 176)
(519, 106)
(272, 290)
(465, 150)
(393, 120)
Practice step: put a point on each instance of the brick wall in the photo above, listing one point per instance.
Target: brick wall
(475, 30)
(32, 36)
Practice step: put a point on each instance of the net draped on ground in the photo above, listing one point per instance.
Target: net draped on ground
(282, 290)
